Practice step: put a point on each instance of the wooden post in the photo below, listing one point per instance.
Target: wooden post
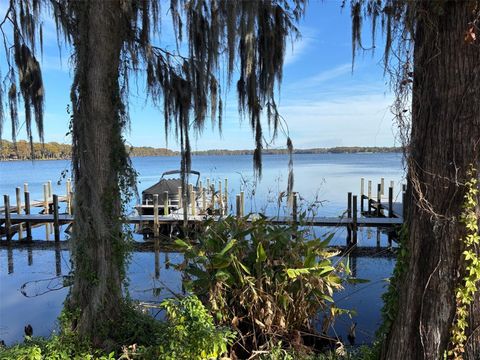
(200, 186)
(294, 208)
(165, 203)
(208, 183)
(382, 183)
(390, 202)
(155, 216)
(69, 199)
(226, 195)
(27, 212)
(242, 203)
(349, 205)
(8, 221)
(56, 225)
(71, 207)
(204, 200)
(19, 211)
(180, 195)
(193, 202)
(212, 190)
(354, 220)
(45, 198)
(238, 204)
(379, 199)
(220, 202)
(362, 193)
(25, 187)
(392, 184)
(49, 189)
(369, 196)
(19, 200)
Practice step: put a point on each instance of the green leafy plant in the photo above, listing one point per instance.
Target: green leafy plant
(466, 290)
(267, 281)
(188, 334)
(55, 348)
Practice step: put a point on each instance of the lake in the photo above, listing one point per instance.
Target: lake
(31, 290)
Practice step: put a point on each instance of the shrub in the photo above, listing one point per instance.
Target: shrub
(267, 281)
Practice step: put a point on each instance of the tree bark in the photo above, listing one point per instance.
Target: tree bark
(98, 149)
(445, 140)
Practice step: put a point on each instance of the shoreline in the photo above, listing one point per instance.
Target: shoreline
(154, 152)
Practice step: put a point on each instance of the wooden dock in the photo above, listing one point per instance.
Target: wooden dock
(207, 203)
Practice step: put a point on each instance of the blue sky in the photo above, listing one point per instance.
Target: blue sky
(324, 104)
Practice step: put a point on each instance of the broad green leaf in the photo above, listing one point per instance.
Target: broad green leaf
(261, 255)
(228, 246)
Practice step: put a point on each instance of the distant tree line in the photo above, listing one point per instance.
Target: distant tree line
(56, 151)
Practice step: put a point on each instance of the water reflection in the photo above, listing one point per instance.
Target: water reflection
(37, 285)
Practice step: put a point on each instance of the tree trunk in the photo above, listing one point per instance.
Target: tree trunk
(98, 154)
(445, 140)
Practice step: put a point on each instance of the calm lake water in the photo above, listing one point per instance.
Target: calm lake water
(31, 289)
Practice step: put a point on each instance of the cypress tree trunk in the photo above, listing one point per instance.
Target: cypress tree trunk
(98, 155)
(445, 141)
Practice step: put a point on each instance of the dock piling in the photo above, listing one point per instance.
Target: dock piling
(349, 205)
(204, 200)
(155, 216)
(180, 197)
(226, 195)
(19, 210)
(379, 198)
(220, 202)
(362, 193)
(193, 202)
(242, 203)
(8, 222)
(27, 212)
(294, 207)
(390, 201)
(56, 225)
(212, 190)
(45, 198)
(237, 203)
(354, 220)
(165, 203)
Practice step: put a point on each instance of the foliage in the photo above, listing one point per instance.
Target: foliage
(267, 281)
(465, 292)
(188, 334)
(58, 347)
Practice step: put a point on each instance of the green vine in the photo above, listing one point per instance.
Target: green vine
(465, 292)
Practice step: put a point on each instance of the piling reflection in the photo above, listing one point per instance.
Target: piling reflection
(58, 260)
(30, 256)
(10, 259)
